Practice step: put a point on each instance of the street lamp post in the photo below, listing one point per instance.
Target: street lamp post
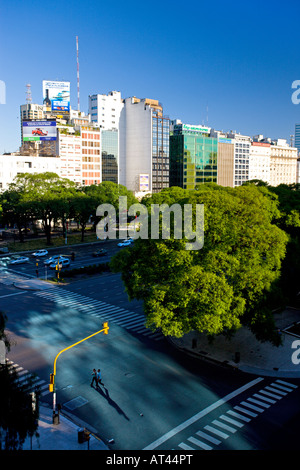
(52, 376)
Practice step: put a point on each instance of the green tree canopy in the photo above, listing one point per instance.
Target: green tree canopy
(222, 286)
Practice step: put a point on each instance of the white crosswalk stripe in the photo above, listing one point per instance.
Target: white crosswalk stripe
(234, 419)
(127, 319)
(28, 381)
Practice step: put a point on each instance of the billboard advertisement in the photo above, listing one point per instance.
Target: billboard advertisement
(56, 95)
(39, 130)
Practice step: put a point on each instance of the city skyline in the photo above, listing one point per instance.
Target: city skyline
(228, 68)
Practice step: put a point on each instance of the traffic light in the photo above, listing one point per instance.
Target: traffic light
(51, 385)
(105, 327)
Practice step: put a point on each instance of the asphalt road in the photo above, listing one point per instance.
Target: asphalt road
(154, 397)
(83, 257)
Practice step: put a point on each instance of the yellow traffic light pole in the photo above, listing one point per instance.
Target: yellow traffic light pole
(52, 376)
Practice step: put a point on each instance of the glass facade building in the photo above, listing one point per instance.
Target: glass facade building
(193, 157)
(109, 156)
(160, 151)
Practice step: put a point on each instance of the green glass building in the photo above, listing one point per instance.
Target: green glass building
(193, 156)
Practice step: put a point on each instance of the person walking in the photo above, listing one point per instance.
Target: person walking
(94, 377)
(99, 378)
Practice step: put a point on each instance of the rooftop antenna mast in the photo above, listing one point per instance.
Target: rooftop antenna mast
(28, 94)
(78, 94)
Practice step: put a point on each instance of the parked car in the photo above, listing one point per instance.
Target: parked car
(62, 263)
(19, 260)
(125, 243)
(40, 253)
(54, 259)
(101, 252)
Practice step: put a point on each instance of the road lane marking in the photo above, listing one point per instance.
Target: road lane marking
(10, 295)
(211, 439)
(287, 383)
(247, 412)
(224, 426)
(198, 443)
(202, 413)
(216, 431)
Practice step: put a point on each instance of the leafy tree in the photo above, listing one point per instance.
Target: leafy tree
(18, 413)
(220, 287)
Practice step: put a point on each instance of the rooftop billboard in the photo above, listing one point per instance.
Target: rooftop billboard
(39, 130)
(56, 95)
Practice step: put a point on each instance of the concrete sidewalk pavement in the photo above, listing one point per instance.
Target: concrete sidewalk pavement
(62, 436)
(246, 354)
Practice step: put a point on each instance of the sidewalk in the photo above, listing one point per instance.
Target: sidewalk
(245, 353)
(62, 436)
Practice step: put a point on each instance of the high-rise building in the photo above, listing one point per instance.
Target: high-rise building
(144, 146)
(193, 155)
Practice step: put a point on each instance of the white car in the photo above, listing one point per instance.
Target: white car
(54, 259)
(63, 263)
(125, 243)
(21, 259)
(40, 253)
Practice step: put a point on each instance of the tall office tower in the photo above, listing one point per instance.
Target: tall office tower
(193, 155)
(283, 163)
(144, 146)
(297, 137)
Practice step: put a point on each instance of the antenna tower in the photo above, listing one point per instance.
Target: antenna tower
(28, 93)
(78, 94)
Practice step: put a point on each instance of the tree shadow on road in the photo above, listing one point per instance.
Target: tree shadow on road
(105, 394)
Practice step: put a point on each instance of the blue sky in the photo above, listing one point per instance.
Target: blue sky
(226, 64)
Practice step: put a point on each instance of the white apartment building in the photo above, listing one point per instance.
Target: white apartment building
(242, 144)
(12, 165)
(105, 110)
(259, 161)
(283, 163)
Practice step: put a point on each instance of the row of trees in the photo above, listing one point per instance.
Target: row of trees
(48, 198)
(249, 264)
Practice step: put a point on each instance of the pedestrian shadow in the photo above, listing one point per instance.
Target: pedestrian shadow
(105, 394)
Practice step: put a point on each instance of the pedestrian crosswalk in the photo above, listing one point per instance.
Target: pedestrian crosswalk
(228, 423)
(134, 322)
(28, 381)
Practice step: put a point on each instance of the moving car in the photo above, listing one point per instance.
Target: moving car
(101, 252)
(19, 260)
(125, 243)
(54, 259)
(62, 263)
(40, 253)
